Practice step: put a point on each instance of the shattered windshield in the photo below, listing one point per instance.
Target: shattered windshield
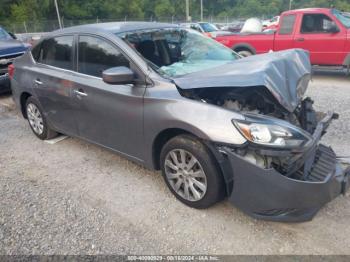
(344, 18)
(177, 52)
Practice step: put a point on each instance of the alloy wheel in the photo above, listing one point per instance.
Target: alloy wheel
(185, 175)
(35, 118)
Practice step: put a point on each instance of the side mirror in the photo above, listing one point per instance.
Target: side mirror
(12, 35)
(334, 28)
(118, 76)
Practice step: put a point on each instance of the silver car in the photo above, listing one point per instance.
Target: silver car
(169, 98)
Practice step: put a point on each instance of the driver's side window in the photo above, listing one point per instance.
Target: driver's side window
(96, 55)
(317, 23)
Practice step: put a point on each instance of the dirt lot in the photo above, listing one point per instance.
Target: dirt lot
(76, 198)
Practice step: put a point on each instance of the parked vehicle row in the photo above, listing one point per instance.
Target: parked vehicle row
(10, 48)
(169, 98)
(205, 28)
(325, 33)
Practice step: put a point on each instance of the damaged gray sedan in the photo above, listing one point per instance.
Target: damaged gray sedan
(171, 99)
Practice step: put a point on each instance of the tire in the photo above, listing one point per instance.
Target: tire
(37, 120)
(245, 53)
(205, 171)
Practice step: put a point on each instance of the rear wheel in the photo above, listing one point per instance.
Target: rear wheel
(191, 173)
(245, 53)
(37, 120)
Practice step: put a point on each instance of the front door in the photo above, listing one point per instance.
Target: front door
(315, 35)
(109, 115)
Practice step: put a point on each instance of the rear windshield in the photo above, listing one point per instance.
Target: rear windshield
(4, 35)
(344, 18)
(177, 52)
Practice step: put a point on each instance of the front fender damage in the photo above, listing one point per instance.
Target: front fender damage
(284, 185)
(269, 183)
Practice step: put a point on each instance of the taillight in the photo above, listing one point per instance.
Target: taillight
(11, 70)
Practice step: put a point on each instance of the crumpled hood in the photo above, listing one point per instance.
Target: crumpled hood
(280, 72)
(11, 46)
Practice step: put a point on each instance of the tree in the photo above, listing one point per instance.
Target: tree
(164, 9)
(17, 11)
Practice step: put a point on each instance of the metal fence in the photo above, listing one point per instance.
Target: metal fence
(50, 25)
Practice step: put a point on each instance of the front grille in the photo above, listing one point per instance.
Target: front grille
(5, 61)
(323, 164)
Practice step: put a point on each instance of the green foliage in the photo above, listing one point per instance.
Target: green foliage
(19, 11)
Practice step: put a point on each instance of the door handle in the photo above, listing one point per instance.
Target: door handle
(301, 39)
(38, 82)
(80, 92)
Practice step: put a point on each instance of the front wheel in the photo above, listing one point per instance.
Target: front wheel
(37, 120)
(191, 173)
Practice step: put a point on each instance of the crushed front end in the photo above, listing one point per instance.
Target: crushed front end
(282, 172)
(279, 184)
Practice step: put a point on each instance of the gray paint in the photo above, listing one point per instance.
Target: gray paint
(128, 118)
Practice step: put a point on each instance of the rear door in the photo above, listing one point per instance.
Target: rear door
(52, 77)
(109, 115)
(315, 35)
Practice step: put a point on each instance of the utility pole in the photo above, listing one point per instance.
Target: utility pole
(290, 4)
(58, 14)
(187, 11)
(201, 10)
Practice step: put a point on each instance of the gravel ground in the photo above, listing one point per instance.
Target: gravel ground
(76, 198)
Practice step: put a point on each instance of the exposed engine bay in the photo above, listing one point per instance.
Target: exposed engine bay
(258, 100)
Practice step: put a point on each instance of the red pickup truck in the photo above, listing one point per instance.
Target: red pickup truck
(325, 33)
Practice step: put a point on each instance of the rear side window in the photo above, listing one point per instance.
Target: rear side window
(287, 24)
(56, 52)
(4, 35)
(96, 55)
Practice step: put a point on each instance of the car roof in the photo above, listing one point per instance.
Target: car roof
(308, 10)
(115, 27)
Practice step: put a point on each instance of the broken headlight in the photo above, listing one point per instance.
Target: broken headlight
(267, 132)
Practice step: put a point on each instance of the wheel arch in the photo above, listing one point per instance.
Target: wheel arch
(244, 47)
(164, 136)
(161, 139)
(23, 100)
(346, 61)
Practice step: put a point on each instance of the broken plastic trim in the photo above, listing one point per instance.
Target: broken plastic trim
(296, 163)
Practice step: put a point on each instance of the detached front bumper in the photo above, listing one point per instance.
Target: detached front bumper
(269, 195)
